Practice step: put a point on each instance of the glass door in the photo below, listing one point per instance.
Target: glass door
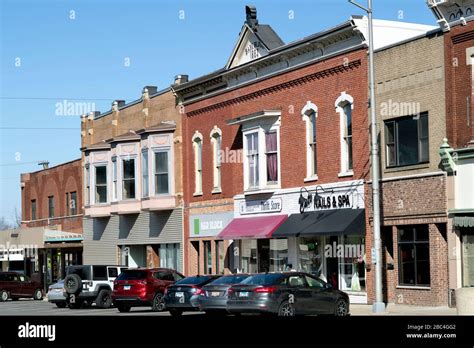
(467, 258)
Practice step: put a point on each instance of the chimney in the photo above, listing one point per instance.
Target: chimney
(151, 89)
(180, 79)
(119, 102)
(251, 12)
(45, 164)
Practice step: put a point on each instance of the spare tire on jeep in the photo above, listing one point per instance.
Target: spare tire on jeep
(72, 284)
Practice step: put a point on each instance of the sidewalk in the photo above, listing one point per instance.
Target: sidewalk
(396, 309)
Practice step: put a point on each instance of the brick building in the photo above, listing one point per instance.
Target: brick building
(132, 166)
(279, 137)
(457, 151)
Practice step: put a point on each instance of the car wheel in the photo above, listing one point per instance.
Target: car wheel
(73, 284)
(104, 299)
(158, 303)
(3, 295)
(61, 304)
(176, 313)
(123, 308)
(38, 295)
(286, 310)
(341, 308)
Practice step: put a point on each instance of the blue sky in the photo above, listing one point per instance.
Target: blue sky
(51, 51)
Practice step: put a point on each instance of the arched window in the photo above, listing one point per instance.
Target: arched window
(310, 115)
(344, 106)
(197, 146)
(216, 141)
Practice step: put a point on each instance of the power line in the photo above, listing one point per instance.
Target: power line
(51, 98)
(18, 163)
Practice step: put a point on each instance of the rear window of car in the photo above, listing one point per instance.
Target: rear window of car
(83, 272)
(233, 279)
(100, 272)
(263, 279)
(132, 275)
(194, 280)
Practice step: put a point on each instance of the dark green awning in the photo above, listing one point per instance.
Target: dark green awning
(464, 221)
(325, 222)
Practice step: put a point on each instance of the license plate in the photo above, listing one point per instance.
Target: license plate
(215, 293)
(127, 287)
(179, 294)
(244, 294)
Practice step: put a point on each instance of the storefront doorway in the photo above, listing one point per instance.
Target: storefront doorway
(467, 242)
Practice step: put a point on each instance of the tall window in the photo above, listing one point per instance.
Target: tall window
(33, 209)
(347, 128)
(344, 105)
(271, 147)
(197, 146)
(145, 192)
(161, 173)
(407, 141)
(114, 179)
(169, 256)
(87, 184)
(216, 140)
(252, 160)
(414, 255)
(313, 144)
(50, 206)
(73, 203)
(100, 184)
(128, 179)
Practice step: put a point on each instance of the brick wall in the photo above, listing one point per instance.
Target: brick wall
(55, 181)
(459, 84)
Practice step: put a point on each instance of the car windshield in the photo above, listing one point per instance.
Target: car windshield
(193, 280)
(232, 279)
(263, 279)
(132, 275)
(81, 271)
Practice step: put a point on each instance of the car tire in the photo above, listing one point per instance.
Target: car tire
(124, 308)
(38, 295)
(61, 304)
(341, 309)
(3, 295)
(73, 284)
(176, 313)
(104, 299)
(158, 303)
(286, 309)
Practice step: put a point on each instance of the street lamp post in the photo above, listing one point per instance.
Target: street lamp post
(378, 306)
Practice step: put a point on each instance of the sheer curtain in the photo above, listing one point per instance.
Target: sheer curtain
(272, 156)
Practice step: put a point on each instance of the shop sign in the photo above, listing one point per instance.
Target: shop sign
(208, 225)
(311, 201)
(272, 205)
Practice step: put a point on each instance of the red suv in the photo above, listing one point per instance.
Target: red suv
(15, 285)
(143, 287)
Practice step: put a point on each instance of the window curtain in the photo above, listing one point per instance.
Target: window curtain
(272, 156)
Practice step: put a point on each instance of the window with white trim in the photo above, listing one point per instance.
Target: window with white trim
(114, 178)
(197, 147)
(310, 115)
(87, 184)
(100, 184)
(344, 106)
(128, 178)
(161, 172)
(252, 160)
(145, 191)
(216, 141)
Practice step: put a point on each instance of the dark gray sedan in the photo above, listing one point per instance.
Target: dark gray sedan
(286, 294)
(213, 298)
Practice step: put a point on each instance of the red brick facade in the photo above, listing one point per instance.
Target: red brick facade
(459, 85)
(55, 181)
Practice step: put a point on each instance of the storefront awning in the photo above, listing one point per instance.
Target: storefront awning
(326, 222)
(464, 221)
(252, 228)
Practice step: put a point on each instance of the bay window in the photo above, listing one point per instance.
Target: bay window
(145, 191)
(252, 160)
(128, 178)
(161, 173)
(87, 184)
(271, 147)
(101, 184)
(114, 178)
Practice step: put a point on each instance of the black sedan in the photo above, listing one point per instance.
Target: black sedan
(286, 294)
(182, 296)
(213, 298)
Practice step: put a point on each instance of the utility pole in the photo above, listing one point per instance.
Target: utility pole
(379, 305)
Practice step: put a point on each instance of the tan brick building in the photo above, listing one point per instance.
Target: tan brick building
(133, 200)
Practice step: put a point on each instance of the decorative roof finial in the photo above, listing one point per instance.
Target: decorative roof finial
(251, 12)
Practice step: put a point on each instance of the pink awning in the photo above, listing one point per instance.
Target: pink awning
(253, 228)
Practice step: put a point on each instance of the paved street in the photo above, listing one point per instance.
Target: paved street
(44, 308)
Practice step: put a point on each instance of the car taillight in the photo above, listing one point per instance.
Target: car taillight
(166, 291)
(230, 291)
(199, 292)
(266, 289)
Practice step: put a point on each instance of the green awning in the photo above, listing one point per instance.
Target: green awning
(464, 221)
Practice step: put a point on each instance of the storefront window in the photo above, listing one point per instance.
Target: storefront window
(467, 258)
(220, 257)
(278, 255)
(169, 256)
(207, 257)
(352, 263)
(414, 255)
(310, 252)
(249, 256)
